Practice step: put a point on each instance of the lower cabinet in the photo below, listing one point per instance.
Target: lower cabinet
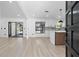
(59, 38)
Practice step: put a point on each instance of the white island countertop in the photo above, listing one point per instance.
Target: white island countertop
(60, 31)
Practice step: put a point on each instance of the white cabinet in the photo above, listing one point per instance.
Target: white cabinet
(52, 36)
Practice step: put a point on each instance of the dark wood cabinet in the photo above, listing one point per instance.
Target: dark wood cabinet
(59, 38)
(72, 29)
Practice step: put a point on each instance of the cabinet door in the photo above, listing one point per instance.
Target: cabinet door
(60, 38)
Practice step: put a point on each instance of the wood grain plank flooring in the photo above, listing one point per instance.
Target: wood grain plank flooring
(32, 47)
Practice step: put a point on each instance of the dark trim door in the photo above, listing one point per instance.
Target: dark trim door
(72, 29)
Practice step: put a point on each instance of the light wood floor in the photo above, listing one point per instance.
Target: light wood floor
(33, 47)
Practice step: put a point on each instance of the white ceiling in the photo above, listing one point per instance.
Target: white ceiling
(10, 10)
(32, 9)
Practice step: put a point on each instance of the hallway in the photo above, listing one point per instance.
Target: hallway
(32, 47)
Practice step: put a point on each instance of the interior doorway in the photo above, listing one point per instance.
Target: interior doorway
(15, 29)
